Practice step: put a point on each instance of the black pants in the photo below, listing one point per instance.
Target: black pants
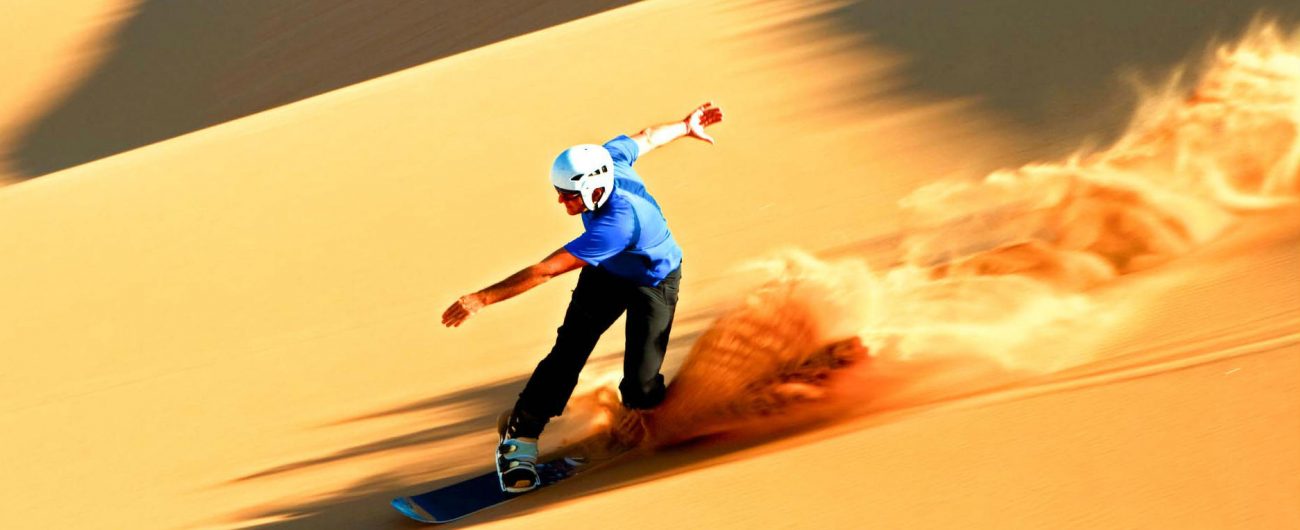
(597, 302)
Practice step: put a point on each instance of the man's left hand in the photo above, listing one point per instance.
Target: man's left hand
(702, 117)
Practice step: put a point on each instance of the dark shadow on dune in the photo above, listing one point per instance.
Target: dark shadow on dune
(479, 406)
(481, 399)
(366, 504)
(176, 67)
(1057, 68)
(904, 389)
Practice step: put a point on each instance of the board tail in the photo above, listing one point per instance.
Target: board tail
(412, 510)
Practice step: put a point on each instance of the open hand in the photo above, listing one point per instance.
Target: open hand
(702, 117)
(462, 309)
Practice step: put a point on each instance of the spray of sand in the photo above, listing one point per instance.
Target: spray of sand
(996, 274)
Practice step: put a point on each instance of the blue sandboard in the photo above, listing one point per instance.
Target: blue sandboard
(461, 499)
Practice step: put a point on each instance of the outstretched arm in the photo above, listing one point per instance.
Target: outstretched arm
(559, 262)
(693, 125)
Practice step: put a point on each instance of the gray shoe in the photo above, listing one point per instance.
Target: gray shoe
(517, 464)
(516, 457)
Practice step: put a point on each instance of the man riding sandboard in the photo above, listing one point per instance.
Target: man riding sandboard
(630, 263)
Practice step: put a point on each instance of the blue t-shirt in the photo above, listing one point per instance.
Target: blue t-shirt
(628, 236)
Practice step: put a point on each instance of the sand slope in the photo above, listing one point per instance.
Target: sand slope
(237, 326)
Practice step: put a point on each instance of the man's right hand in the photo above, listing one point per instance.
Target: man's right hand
(462, 309)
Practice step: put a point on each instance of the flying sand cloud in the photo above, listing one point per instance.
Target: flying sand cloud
(996, 273)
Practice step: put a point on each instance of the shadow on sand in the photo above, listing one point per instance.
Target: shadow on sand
(177, 67)
(904, 390)
(480, 405)
(1060, 69)
(366, 504)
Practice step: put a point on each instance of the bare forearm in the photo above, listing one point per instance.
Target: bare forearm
(514, 285)
(663, 133)
(559, 262)
(693, 125)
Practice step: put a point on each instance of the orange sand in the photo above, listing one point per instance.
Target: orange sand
(238, 326)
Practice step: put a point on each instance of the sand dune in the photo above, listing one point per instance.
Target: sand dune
(235, 326)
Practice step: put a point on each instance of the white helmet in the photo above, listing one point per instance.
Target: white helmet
(585, 168)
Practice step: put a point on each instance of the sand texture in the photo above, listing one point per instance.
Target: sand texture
(949, 265)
